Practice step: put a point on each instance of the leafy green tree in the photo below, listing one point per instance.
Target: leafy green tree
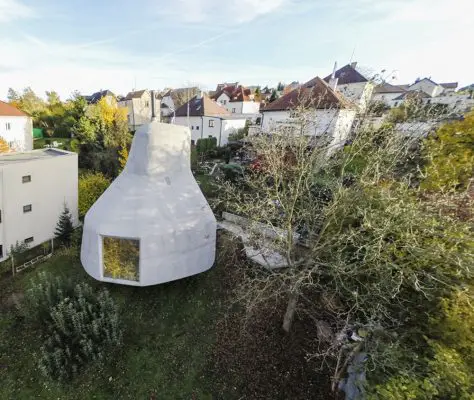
(274, 95)
(13, 96)
(64, 227)
(91, 186)
(52, 98)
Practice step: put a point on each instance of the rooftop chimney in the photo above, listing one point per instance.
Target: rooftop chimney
(153, 116)
(354, 64)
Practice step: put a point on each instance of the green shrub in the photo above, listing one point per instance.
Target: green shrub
(205, 146)
(450, 156)
(79, 326)
(91, 187)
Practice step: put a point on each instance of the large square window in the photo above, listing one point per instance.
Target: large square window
(121, 258)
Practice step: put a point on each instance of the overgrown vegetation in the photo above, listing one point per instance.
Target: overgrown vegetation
(450, 156)
(91, 186)
(78, 325)
(370, 259)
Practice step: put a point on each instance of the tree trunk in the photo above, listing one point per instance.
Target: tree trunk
(290, 312)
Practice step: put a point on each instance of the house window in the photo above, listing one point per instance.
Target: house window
(26, 179)
(29, 240)
(396, 103)
(192, 127)
(224, 102)
(27, 208)
(1, 251)
(211, 123)
(7, 126)
(197, 128)
(121, 258)
(147, 104)
(429, 101)
(233, 110)
(0, 216)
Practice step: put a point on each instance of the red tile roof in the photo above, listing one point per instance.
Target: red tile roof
(235, 93)
(319, 96)
(201, 106)
(7, 110)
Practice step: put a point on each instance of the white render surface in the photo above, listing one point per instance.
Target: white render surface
(17, 132)
(157, 201)
(53, 182)
(334, 123)
(216, 126)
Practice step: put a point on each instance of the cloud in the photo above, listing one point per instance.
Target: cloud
(13, 9)
(229, 12)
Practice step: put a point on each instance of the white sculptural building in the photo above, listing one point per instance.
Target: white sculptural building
(153, 224)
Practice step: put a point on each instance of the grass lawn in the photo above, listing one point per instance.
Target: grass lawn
(168, 340)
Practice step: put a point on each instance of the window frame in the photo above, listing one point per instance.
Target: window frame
(27, 180)
(26, 209)
(211, 123)
(30, 239)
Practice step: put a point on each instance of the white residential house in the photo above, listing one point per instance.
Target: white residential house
(349, 82)
(430, 92)
(172, 99)
(331, 115)
(16, 128)
(34, 186)
(207, 118)
(237, 100)
(139, 107)
(387, 93)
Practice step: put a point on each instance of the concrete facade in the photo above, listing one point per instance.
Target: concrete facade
(34, 187)
(157, 203)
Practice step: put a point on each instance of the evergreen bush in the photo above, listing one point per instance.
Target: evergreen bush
(79, 325)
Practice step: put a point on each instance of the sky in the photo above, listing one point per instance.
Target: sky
(89, 45)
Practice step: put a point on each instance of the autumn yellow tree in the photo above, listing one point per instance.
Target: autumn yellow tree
(450, 155)
(4, 148)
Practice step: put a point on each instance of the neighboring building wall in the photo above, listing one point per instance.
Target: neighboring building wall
(250, 107)
(54, 181)
(235, 107)
(139, 110)
(386, 98)
(224, 101)
(360, 93)
(229, 126)
(203, 127)
(336, 123)
(459, 102)
(428, 87)
(17, 132)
